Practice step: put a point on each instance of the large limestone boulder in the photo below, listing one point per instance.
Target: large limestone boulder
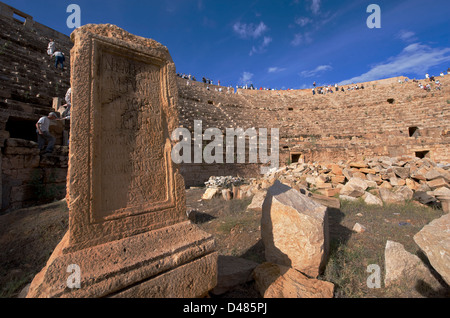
(442, 191)
(405, 192)
(402, 172)
(257, 201)
(294, 229)
(437, 183)
(434, 240)
(402, 266)
(371, 199)
(355, 187)
(278, 281)
(210, 193)
(391, 197)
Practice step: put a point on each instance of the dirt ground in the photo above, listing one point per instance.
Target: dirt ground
(27, 239)
(29, 236)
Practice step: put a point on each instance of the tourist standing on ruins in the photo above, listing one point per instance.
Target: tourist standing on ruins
(59, 59)
(43, 132)
(51, 47)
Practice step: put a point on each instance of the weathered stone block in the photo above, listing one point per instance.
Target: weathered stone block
(402, 266)
(128, 229)
(434, 240)
(294, 229)
(278, 281)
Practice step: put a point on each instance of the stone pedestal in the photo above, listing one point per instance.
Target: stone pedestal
(129, 235)
(165, 263)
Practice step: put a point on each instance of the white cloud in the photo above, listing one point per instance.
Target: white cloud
(246, 31)
(407, 36)
(246, 78)
(261, 48)
(319, 69)
(301, 38)
(275, 69)
(414, 59)
(302, 21)
(315, 6)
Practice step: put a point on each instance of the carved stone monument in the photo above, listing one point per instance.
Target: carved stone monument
(129, 235)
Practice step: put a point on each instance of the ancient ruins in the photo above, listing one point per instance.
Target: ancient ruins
(128, 227)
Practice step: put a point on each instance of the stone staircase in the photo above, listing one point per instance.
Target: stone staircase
(365, 121)
(29, 79)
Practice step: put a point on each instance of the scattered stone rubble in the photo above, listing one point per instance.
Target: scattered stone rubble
(377, 181)
(223, 182)
(299, 190)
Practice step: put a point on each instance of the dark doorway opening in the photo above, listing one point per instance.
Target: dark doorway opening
(295, 157)
(423, 154)
(413, 131)
(20, 128)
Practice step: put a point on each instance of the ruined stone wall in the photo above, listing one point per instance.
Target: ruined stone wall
(363, 123)
(29, 79)
(29, 82)
(385, 118)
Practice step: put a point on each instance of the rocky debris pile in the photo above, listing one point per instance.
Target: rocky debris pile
(224, 182)
(290, 203)
(376, 181)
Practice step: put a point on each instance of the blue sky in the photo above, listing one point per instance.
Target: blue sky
(277, 44)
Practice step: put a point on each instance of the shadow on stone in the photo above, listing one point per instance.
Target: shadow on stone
(426, 289)
(198, 217)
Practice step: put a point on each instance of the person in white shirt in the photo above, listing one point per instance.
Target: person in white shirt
(43, 132)
(68, 105)
(51, 47)
(59, 59)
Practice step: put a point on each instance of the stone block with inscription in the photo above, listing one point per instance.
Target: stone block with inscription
(129, 235)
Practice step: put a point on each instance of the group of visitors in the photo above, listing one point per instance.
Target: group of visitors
(46, 141)
(428, 86)
(437, 84)
(208, 81)
(58, 55)
(328, 89)
(187, 76)
(323, 90)
(432, 78)
(192, 78)
(43, 126)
